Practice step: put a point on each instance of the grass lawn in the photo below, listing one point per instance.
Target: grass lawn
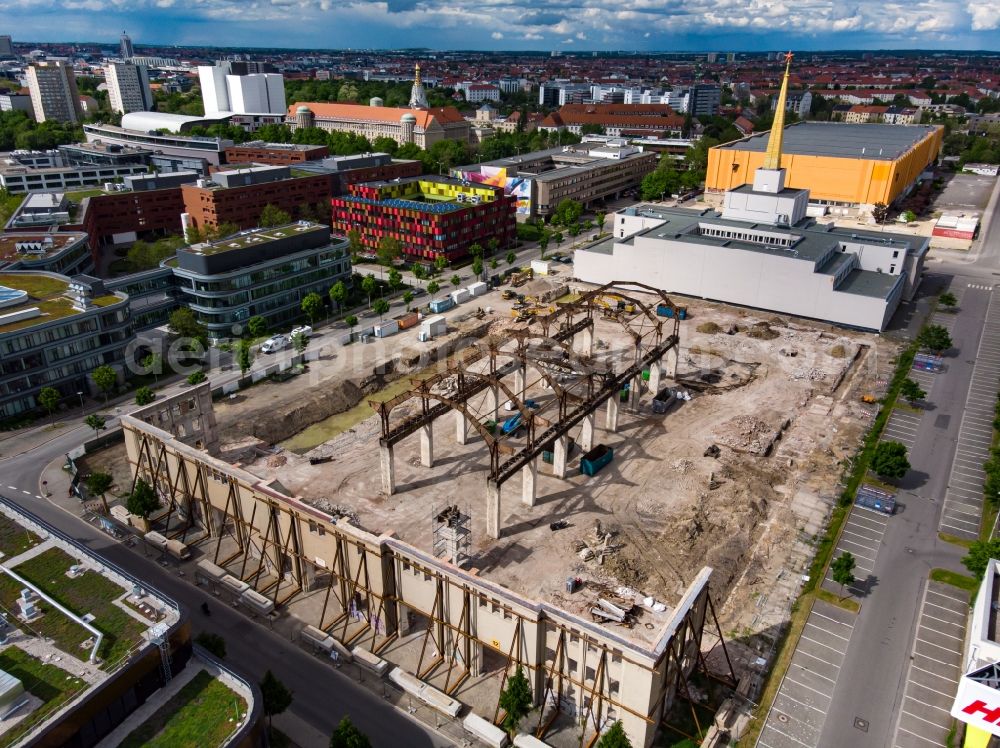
(955, 580)
(88, 593)
(51, 684)
(66, 633)
(197, 716)
(841, 602)
(37, 286)
(14, 539)
(948, 538)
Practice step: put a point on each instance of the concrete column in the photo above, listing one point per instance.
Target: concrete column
(519, 377)
(671, 359)
(529, 476)
(587, 433)
(654, 378)
(491, 402)
(475, 663)
(461, 428)
(560, 453)
(388, 469)
(402, 619)
(587, 341)
(635, 392)
(492, 509)
(611, 419)
(427, 445)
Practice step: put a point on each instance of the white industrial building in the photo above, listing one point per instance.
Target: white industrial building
(128, 87)
(762, 251)
(224, 94)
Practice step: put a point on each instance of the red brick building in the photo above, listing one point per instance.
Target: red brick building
(275, 154)
(119, 217)
(429, 216)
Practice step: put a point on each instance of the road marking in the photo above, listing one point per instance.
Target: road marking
(810, 706)
(12, 488)
(941, 633)
(942, 608)
(845, 638)
(934, 659)
(953, 598)
(911, 714)
(912, 682)
(808, 688)
(817, 613)
(931, 672)
(818, 659)
(26, 493)
(780, 732)
(960, 624)
(910, 732)
(932, 644)
(932, 706)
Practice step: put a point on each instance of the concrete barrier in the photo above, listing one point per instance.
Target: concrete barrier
(528, 741)
(253, 599)
(370, 661)
(431, 696)
(318, 638)
(485, 731)
(233, 584)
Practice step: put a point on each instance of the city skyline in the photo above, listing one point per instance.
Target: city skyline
(506, 25)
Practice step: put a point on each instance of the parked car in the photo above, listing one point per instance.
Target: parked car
(274, 344)
(303, 330)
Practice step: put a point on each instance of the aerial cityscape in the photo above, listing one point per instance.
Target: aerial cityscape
(463, 374)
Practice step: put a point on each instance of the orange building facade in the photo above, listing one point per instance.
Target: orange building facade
(855, 174)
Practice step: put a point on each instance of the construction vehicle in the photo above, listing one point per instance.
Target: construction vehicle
(522, 276)
(869, 398)
(613, 305)
(508, 294)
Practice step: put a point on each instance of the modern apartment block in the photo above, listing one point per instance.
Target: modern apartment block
(172, 145)
(64, 252)
(264, 272)
(11, 102)
(344, 171)
(54, 95)
(430, 216)
(239, 196)
(54, 331)
(224, 93)
(128, 87)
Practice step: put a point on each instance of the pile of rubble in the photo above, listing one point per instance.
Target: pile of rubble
(747, 434)
(813, 375)
(597, 545)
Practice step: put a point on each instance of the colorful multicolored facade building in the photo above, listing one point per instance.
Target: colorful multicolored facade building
(429, 216)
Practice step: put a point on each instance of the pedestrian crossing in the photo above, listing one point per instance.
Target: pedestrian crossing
(980, 286)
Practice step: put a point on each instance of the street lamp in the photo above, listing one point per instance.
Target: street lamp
(80, 395)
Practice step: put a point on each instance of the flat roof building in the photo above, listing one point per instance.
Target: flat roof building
(128, 87)
(257, 151)
(54, 95)
(425, 127)
(64, 252)
(657, 120)
(200, 149)
(851, 166)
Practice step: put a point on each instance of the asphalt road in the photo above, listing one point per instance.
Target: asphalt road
(323, 695)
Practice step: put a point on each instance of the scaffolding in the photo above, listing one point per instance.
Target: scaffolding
(452, 534)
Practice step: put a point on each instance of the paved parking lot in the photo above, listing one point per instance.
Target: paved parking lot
(861, 537)
(963, 500)
(903, 425)
(935, 667)
(799, 710)
(968, 191)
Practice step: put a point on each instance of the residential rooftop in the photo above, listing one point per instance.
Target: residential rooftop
(878, 142)
(37, 245)
(46, 293)
(254, 238)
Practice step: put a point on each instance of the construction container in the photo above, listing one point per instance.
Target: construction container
(541, 267)
(460, 295)
(548, 451)
(406, 321)
(442, 305)
(433, 326)
(592, 462)
(385, 329)
(664, 400)
(665, 311)
(875, 499)
(478, 289)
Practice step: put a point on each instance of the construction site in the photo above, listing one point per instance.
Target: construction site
(617, 492)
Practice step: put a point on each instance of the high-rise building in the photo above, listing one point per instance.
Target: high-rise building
(6, 46)
(128, 87)
(53, 92)
(222, 92)
(127, 50)
(704, 100)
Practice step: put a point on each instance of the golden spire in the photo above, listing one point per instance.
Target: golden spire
(416, 80)
(772, 160)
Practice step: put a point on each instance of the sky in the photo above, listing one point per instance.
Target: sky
(641, 25)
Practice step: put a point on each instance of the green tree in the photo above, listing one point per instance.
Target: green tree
(380, 307)
(196, 377)
(433, 287)
(143, 255)
(338, 294)
(144, 396)
(456, 281)
(615, 737)
(979, 555)
(476, 250)
(389, 250)
(153, 364)
(574, 231)
(948, 300)
(493, 263)
(348, 736)
(272, 215)
(418, 270)
(842, 570)
(407, 299)
(889, 460)
(299, 342)
(515, 700)
(98, 484)
(543, 244)
(351, 321)
(880, 211)
(49, 398)
(440, 263)
(184, 324)
(934, 338)
(368, 285)
(105, 378)
(477, 266)
(511, 257)
(568, 211)
(95, 421)
(143, 500)
(244, 356)
(599, 221)
(312, 306)
(911, 391)
(354, 243)
(256, 326)
(276, 696)
(493, 245)
(395, 279)
(558, 238)
(348, 93)
(213, 643)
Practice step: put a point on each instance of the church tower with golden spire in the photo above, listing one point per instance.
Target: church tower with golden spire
(418, 99)
(768, 200)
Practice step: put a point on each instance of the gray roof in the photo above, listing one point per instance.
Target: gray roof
(841, 140)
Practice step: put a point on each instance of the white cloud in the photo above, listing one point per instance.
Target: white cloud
(496, 35)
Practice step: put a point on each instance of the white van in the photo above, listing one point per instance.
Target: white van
(274, 344)
(305, 330)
